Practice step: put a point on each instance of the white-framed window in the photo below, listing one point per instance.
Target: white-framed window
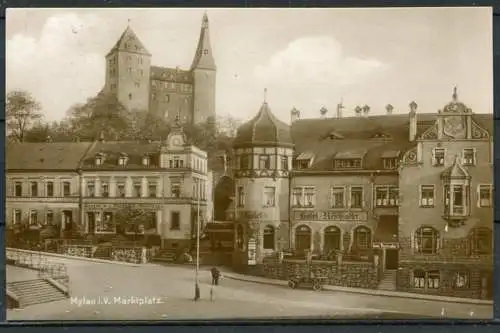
(137, 189)
(304, 196)
(461, 280)
(18, 189)
(241, 196)
(175, 220)
(426, 279)
(426, 240)
(469, 156)
(120, 190)
(176, 190)
(456, 199)
(390, 163)
(152, 187)
(66, 185)
(33, 217)
(146, 160)
(485, 195)
(386, 196)
(269, 196)
(104, 223)
(338, 199)
(356, 197)
(49, 217)
(49, 187)
(264, 162)
(122, 160)
(17, 216)
(438, 156)
(90, 189)
(104, 189)
(34, 189)
(427, 195)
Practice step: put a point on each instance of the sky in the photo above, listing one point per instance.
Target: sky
(305, 58)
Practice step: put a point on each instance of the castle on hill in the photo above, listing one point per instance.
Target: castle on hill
(169, 92)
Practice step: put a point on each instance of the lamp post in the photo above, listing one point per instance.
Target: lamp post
(197, 267)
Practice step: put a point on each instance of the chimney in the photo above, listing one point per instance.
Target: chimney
(48, 139)
(101, 136)
(413, 121)
(323, 111)
(366, 110)
(357, 111)
(294, 115)
(389, 109)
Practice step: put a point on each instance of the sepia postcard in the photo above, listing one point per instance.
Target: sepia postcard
(218, 164)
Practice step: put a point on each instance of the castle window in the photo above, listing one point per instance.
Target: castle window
(468, 156)
(438, 155)
(264, 162)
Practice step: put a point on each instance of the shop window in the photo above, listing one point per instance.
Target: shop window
(461, 280)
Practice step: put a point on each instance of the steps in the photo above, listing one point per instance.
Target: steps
(36, 291)
(166, 255)
(388, 281)
(102, 252)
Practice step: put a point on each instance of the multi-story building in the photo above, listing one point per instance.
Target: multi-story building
(43, 184)
(446, 215)
(168, 92)
(93, 186)
(390, 185)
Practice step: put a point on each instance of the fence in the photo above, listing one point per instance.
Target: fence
(40, 263)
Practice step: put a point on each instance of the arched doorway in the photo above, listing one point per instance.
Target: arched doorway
(302, 238)
(331, 239)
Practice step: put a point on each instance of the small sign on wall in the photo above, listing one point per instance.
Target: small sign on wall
(252, 251)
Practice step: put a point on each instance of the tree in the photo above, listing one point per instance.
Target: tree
(21, 111)
(145, 125)
(135, 221)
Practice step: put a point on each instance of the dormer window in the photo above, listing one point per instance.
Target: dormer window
(390, 163)
(122, 159)
(99, 159)
(349, 160)
(264, 162)
(146, 160)
(303, 161)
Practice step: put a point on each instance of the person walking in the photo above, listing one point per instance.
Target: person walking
(215, 276)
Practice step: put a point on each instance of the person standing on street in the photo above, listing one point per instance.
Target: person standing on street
(215, 276)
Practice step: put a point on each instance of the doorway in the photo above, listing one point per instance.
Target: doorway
(91, 222)
(391, 259)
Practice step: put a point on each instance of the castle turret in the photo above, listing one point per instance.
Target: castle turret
(204, 76)
(128, 66)
(263, 149)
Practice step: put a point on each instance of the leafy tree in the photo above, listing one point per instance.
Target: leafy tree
(134, 220)
(21, 111)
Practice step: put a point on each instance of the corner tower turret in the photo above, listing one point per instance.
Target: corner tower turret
(263, 150)
(204, 76)
(128, 66)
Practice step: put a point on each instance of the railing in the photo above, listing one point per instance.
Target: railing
(39, 262)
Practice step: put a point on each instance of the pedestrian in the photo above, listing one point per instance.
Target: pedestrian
(215, 276)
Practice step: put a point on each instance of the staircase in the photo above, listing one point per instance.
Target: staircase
(388, 281)
(166, 255)
(37, 291)
(103, 252)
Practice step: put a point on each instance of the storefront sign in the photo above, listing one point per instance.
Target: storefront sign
(252, 252)
(122, 205)
(329, 216)
(380, 245)
(250, 215)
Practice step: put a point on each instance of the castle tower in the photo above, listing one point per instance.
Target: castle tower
(128, 66)
(204, 77)
(263, 150)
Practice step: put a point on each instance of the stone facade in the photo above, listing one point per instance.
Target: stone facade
(167, 92)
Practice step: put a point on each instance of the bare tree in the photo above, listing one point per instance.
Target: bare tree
(21, 111)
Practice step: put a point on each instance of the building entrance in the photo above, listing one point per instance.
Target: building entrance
(391, 259)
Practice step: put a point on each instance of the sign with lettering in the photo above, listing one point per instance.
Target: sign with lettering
(122, 205)
(251, 215)
(381, 245)
(348, 216)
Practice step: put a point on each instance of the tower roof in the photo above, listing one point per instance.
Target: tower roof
(203, 58)
(129, 42)
(263, 130)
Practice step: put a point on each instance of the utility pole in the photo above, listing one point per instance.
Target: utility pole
(197, 267)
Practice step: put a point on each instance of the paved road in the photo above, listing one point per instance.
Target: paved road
(171, 289)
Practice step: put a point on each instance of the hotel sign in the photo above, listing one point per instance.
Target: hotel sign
(344, 216)
(120, 205)
(382, 245)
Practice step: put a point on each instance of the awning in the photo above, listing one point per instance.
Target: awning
(387, 229)
(305, 156)
(351, 154)
(390, 154)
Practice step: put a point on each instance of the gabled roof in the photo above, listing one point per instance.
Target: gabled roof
(45, 156)
(456, 171)
(171, 74)
(112, 150)
(263, 130)
(129, 42)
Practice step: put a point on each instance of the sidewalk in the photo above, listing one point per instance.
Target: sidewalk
(373, 292)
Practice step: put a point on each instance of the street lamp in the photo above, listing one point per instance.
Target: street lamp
(197, 267)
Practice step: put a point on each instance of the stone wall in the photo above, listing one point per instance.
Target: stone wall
(347, 274)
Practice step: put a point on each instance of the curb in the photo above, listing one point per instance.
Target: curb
(64, 256)
(372, 292)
